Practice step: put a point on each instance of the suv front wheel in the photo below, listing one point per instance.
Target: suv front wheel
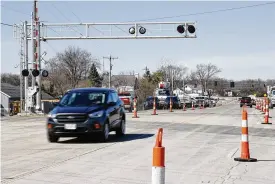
(122, 129)
(105, 133)
(52, 138)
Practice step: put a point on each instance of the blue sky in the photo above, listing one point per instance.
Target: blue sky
(241, 42)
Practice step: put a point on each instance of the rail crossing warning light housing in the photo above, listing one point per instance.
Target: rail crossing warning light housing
(35, 73)
(142, 30)
(25, 73)
(45, 73)
(182, 28)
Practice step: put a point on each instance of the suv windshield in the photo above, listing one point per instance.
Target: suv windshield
(273, 92)
(81, 99)
(246, 98)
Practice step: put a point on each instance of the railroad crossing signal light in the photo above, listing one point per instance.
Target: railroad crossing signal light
(142, 30)
(45, 73)
(190, 28)
(232, 84)
(35, 73)
(25, 72)
(181, 29)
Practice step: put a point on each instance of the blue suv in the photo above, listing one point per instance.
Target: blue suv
(86, 111)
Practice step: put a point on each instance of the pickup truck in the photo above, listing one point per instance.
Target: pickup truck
(246, 101)
(127, 99)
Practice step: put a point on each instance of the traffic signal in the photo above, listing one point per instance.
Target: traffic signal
(195, 86)
(25, 72)
(252, 85)
(216, 83)
(232, 84)
(35, 73)
(264, 85)
(190, 28)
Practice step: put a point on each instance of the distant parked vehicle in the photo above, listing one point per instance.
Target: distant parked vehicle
(176, 104)
(246, 101)
(148, 104)
(127, 99)
(201, 100)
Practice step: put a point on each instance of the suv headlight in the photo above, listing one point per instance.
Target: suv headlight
(96, 114)
(51, 115)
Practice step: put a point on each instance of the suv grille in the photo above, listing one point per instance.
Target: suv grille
(71, 118)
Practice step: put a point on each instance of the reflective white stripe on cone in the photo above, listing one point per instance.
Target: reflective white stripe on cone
(158, 175)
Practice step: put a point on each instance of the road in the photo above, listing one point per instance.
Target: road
(200, 147)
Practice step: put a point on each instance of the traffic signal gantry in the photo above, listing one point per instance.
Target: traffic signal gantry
(37, 32)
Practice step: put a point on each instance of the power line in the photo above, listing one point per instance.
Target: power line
(206, 12)
(66, 3)
(6, 24)
(66, 19)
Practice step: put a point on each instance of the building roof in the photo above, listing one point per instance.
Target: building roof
(14, 91)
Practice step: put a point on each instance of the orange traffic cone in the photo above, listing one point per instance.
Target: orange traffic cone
(154, 107)
(193, 106)
(266, 116)
(245, 155)
(184, 107)
(158, 166)
(171, 105)
(135, 109)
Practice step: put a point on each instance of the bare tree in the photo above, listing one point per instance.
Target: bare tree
(13, 79)
(204, 73)
(177, 71)
(68, 68)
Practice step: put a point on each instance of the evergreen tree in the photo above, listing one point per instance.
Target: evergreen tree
(94, 77)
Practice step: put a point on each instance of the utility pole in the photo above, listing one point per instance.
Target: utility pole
(110, 70)
(183, 84)
(172, 82)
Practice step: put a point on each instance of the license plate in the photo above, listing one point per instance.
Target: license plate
(70, 126)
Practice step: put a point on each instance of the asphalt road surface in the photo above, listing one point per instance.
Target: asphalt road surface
(200, 147)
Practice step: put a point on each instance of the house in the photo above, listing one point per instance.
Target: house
(10, 93)
(120, 80)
